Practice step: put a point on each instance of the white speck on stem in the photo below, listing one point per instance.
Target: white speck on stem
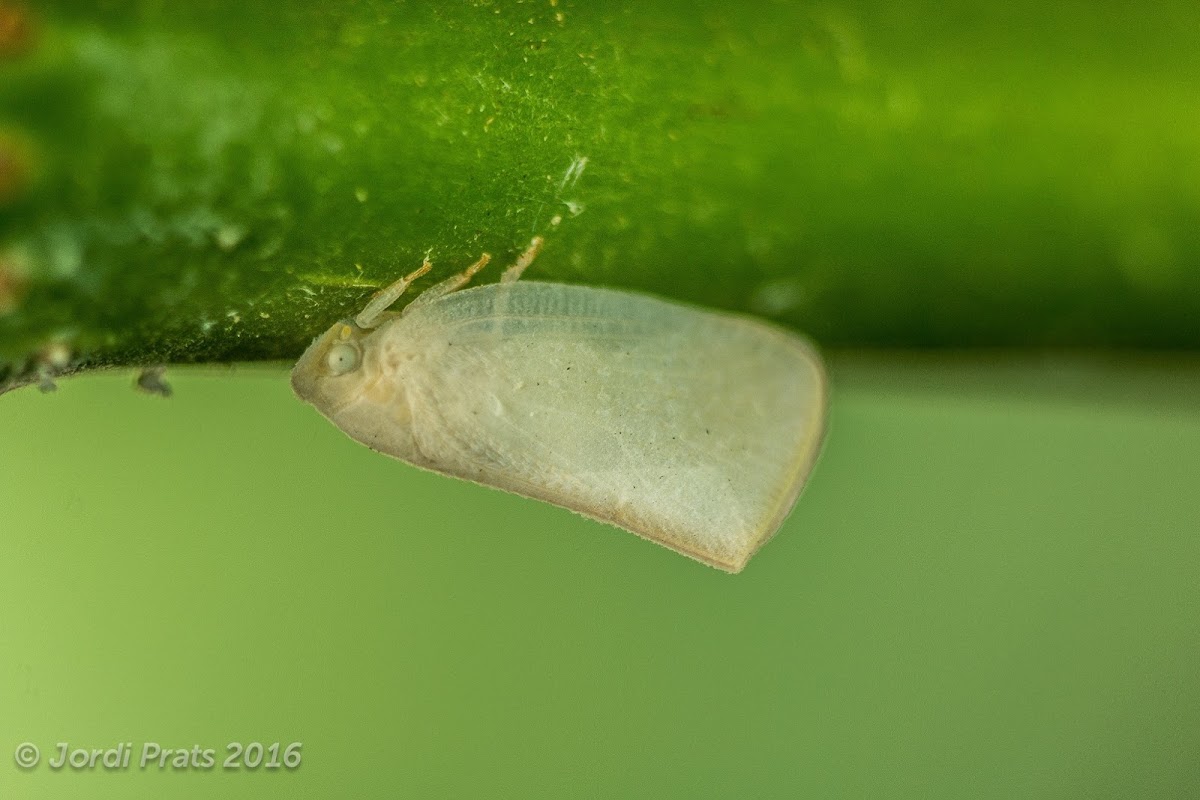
(230, 236)
(573, 172)
(776, 297)
(56, 355)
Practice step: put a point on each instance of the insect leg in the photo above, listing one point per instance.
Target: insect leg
(449, 285)
(373, 310)
(523, 262)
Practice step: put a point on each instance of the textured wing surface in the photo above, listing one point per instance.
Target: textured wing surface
(692, 428)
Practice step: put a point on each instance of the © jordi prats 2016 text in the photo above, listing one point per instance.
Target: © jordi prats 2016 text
(155, 756)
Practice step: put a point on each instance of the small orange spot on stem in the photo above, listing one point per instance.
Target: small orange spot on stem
(13, 284)
(16, 168)
(16, 29)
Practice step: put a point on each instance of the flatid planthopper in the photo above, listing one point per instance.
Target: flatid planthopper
(695, 429)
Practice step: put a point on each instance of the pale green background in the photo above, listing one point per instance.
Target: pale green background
(988, 590)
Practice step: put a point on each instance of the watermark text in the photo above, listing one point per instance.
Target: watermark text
(146, 756)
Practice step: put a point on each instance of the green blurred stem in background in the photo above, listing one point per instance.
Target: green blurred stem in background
(192, 182)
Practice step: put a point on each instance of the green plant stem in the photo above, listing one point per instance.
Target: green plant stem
(222, 181)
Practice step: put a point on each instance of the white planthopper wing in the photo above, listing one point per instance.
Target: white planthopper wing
(692, 428)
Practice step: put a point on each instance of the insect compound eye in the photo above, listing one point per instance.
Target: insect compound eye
(342, 358)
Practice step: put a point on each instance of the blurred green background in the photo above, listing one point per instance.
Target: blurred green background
(987, 590)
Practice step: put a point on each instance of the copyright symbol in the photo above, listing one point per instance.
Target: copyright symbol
(27, 755)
